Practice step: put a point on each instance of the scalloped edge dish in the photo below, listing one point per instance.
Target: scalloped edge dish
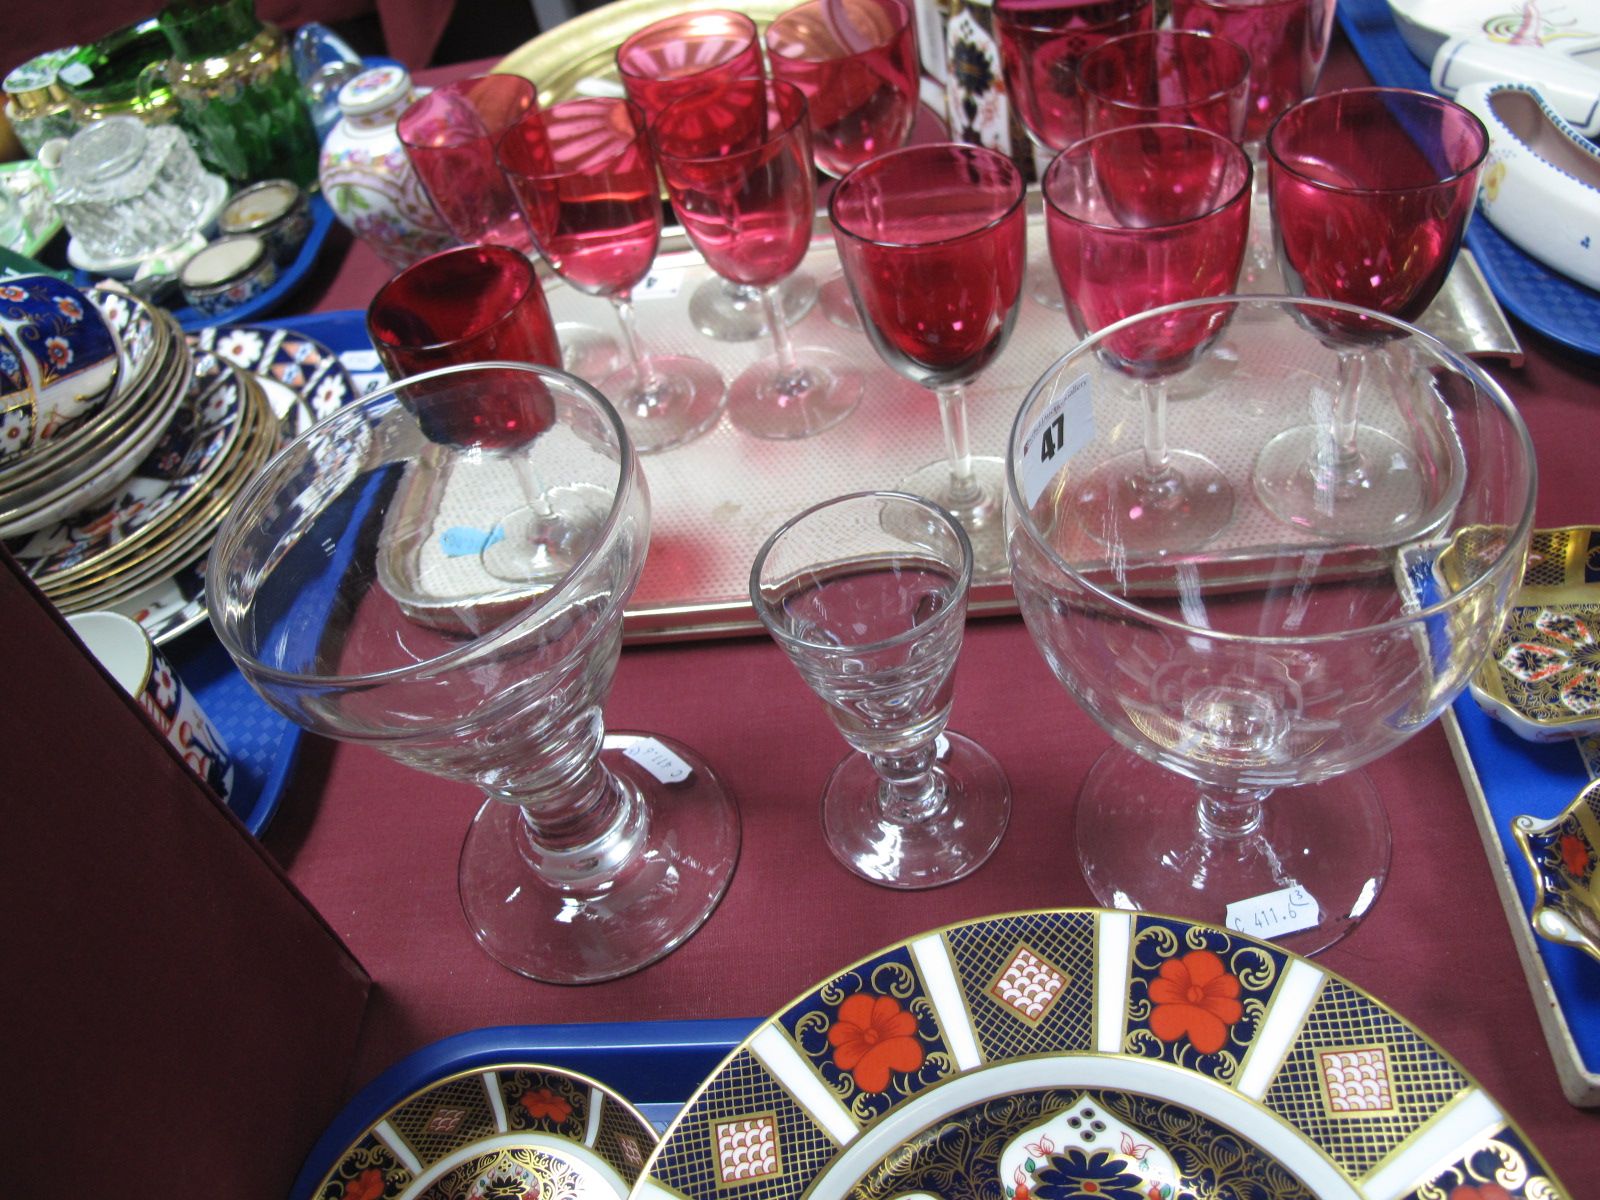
(1563, 854)
(1542, 675)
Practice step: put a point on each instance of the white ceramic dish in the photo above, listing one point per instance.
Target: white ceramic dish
(1541, 184)
(1565, 25)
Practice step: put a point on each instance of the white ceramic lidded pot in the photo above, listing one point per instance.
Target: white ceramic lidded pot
(366, 176)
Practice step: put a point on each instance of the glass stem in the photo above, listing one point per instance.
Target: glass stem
(580, 823)
(647, 380)
(964, 490)
(910, 789)
(1231, 816)
(1339, 468)
(783, 344)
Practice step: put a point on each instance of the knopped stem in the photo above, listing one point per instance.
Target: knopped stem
(910, 787)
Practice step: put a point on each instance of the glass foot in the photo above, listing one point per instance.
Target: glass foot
(730, 312)
(614, 921)
(1043, 286)
(686, 401)
(838, 305)
(1378, 497)
(951, 843)
(587, 352)
(766, 402)
(983, 519)
(1190, 505)
(1141, 846)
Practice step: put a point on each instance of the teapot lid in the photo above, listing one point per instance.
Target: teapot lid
(374, 89)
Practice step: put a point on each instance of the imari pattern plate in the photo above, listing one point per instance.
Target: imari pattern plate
(1090, 1055)
(511, 1131)
(1542, 677)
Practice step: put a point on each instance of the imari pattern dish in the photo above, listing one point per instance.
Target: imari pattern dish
(1091, 1055)
(1563, 853)
(78, 447)
(164, 515)
(511, 1130)
(1542, 677)
(304, 379)
(58, 360)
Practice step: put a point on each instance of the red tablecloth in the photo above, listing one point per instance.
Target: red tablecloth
(374, 845)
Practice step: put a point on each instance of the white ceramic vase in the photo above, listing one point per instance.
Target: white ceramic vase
(367, 178)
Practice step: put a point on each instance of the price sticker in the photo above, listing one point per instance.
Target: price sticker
(1274, 914)
(1064, 427)
(661, 762)
(361, 360)
(659, 285)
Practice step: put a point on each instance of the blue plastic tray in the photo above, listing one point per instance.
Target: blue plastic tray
(1517, 776)
(1551, 303)
(655, 1065)
(289, 278)
(265, 744)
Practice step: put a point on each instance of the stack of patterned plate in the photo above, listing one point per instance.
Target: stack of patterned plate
(195, 430)
(86, 461)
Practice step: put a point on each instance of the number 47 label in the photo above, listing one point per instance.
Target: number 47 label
(1064, 427)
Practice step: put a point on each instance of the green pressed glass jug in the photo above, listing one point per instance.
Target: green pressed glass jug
(238, 96)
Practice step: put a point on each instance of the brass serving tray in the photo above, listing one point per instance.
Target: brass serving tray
(578, 57)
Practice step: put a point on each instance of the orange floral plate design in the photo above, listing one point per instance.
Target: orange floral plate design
(502, 1129)
(1088, 1054)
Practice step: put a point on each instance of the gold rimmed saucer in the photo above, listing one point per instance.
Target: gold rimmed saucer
(221, 408)
(1542, 676)
(1563, 853)
(506, 1128)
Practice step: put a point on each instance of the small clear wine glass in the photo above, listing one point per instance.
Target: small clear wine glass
(867, 595)
(1167, 77)
(1371, 192)
(584, 175)
(678, 56)
(737, 164)
(856, 62)
(1041, 42)
(1247, 682)
(933, 240)
(1137, 217)
(334, 585)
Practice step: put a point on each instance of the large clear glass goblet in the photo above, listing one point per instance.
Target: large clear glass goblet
(867, 595)
(345, 585)
(1247, 682)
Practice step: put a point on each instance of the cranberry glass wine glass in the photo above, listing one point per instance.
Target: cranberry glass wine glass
(1287, 41)
(737, 163)
(1141, 216)
(856, 62)
(933, 240)
(1041, 42)
(450, 135)
(1167, 77)
(475, 304)
(678, 56)
(1247, 682)
(867, 595)
(586, 179)
(1371, 192)
(334, 587)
